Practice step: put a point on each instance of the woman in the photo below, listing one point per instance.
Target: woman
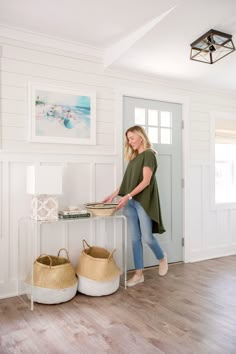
(139, 197)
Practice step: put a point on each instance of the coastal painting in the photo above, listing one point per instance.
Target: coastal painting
(59, 115)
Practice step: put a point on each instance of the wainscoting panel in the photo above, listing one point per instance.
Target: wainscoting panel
(212, 230)
(82, 182)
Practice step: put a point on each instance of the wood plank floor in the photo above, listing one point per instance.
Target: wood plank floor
(191, 310)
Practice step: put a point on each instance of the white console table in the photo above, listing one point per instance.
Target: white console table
(34, 231)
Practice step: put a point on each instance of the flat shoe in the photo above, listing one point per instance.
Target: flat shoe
(135, 280)
(163, 266)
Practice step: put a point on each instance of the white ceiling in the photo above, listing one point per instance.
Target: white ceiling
(146, 36)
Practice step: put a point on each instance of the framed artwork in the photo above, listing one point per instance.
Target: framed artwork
(60, 115)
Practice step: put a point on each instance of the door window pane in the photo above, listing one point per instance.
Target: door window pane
(166, 136)
(153, 117)
(153, 135)
(158, 124)
(139, 116)
(166, 119)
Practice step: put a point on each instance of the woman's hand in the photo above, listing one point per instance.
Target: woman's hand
(108, 199)
(122, 202)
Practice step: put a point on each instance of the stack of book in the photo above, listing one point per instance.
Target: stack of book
(73, 214)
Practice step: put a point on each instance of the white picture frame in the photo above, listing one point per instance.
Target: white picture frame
(61, 115)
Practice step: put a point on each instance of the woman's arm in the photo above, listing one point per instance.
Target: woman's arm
(147, 175)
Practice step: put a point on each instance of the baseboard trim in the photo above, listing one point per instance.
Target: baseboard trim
(203, 255)
(8, 290)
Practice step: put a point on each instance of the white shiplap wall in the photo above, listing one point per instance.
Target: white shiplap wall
(90, 172)
(93, 171)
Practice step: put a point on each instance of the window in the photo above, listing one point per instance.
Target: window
(225, 160)
(158, 124)
(225, 173)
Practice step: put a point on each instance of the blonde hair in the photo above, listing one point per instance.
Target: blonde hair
(130, 154)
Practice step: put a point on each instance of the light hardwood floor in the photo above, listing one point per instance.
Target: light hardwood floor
(191, 310)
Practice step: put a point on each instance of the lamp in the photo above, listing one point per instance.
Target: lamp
(211, 47)
(43, 183)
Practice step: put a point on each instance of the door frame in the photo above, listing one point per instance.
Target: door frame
(165, 96)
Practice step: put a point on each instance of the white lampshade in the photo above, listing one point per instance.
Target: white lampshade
(44, 180)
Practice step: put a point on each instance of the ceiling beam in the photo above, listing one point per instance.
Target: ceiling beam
(114, 52)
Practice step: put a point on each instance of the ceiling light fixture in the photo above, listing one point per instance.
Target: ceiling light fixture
(211, 47)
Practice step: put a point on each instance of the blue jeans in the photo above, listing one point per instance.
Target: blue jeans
(139, 227)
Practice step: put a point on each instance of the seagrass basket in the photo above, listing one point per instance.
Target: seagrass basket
(97, 271)
(53, 280)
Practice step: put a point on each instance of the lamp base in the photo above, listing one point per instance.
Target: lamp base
(44, 208)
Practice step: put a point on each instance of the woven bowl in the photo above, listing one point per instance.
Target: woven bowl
(101, 209)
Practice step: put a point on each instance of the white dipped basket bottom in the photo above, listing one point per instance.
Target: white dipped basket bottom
(97, 271)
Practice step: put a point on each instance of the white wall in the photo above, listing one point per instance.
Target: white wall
(91, 172)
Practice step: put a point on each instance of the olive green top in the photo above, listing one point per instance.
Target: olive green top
(149, 197)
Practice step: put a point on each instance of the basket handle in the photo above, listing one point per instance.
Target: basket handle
(111, 254)
(85, 243)
(63, 249)
(45, 255)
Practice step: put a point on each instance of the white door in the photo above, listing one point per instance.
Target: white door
(163, 123)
